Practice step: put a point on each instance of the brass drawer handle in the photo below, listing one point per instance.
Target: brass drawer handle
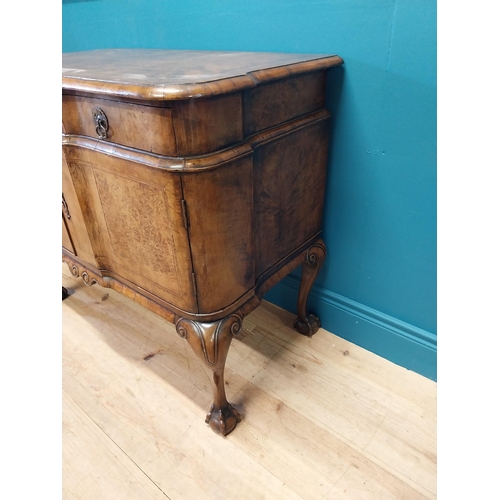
(65, 208)
(100, 122)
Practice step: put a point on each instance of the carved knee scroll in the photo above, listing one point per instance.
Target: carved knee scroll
(306, 323)
(210, 342)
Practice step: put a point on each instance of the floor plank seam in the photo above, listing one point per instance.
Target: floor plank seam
(376, 430)
(118, 446)
(390, 469)
(338, 480)
(269, 471)
(354, 396)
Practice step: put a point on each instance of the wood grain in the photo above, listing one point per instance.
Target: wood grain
(197, 238)
(66, 238)
(160, 75)
(75, 226)
(145, 127)
(110, 473)
(220, 210)
(324, 418)
(276, 102)
(207, 125)
(136, 224)
(289, 180)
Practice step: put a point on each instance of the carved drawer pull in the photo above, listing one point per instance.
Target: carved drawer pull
(100, 122)
(65, 208)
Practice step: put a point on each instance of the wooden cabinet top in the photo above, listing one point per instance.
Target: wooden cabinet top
(163, 75)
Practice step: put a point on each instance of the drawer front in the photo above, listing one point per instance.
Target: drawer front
(142, 127)
(208, 124)
(273, 103)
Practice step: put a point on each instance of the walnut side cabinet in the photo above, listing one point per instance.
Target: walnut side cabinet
(193, 182)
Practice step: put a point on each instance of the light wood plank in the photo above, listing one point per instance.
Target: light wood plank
(317, 423)
(416, 392)
(94, 466)
(147, 420)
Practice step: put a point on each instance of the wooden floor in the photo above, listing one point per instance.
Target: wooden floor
(322, 418)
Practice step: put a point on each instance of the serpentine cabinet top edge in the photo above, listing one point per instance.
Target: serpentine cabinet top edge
(163, 75)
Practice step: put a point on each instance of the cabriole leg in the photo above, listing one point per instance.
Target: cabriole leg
(308, 324)
(210, 342)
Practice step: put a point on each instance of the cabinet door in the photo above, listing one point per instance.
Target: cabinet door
(74, 233)
(133, 213)
(66, 238)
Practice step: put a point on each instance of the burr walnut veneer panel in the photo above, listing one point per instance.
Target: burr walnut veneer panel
(193, 182)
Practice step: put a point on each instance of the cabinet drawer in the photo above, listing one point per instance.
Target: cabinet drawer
(147, 128)
(282, 100)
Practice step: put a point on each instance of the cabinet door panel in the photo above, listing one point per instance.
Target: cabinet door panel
(135, 221)
(73, 222)
(66, 239)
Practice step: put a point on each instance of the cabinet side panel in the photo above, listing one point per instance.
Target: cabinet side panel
(273, 103)
(290, 174)
(137, 224)
(220, 212)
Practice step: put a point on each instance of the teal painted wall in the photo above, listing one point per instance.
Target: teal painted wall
(378, 285)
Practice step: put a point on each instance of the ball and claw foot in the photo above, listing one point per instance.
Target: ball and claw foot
(308, 327)
(223, 420)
